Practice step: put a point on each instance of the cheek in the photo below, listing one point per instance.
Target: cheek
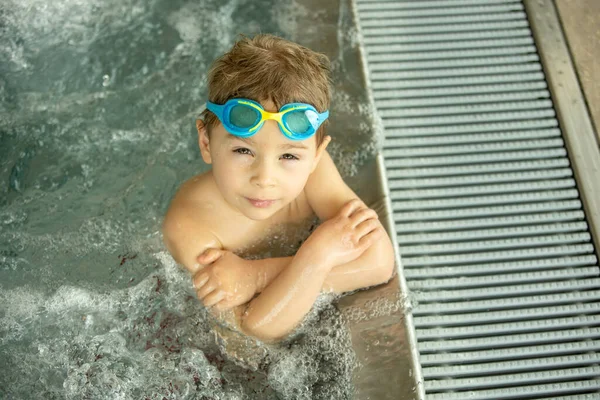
(296, 179)
(227, 174)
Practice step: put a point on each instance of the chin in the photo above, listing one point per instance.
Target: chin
(258, 214)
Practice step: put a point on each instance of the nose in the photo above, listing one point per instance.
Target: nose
(263, 174)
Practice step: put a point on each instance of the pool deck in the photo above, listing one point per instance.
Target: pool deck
(568, 61)
(580, 20)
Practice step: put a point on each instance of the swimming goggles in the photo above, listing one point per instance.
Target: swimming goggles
(243, 118)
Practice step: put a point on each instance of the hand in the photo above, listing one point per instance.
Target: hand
(226, 281)
(344, 237)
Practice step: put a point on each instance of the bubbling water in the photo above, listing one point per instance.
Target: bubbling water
(154, 340)
(97, 105)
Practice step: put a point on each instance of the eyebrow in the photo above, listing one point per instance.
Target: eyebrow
(282, 146)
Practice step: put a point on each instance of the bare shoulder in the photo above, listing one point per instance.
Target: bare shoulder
(198, 191)
(190, 225)
(325, 189)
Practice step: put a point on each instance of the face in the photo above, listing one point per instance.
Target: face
(260, 175)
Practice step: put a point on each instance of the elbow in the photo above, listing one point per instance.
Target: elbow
(386, 262)
(263, 328)
(386, 271)
(169, 244)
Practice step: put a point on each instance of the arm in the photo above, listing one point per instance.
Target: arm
(186, 229)
(290, 295)
(287, 299)
(326, 193)
(285, 302)
(373, 267)
(238, 280)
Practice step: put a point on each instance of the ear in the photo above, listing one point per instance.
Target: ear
(203, 141)
(320, 151)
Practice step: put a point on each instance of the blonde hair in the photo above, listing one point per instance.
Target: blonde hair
(267, 67)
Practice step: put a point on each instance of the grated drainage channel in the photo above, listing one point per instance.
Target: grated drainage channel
(494, 242)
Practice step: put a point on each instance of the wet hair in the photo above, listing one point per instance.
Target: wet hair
(267, 67)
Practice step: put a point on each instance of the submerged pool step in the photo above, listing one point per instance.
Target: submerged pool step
(503, 275)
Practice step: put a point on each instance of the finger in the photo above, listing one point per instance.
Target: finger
(367, 240)
(209, 256)
(206, 290)
(199, 280)
(213, 298)
(350, 207)
(363, 215)
(222, 305)
(366, 227)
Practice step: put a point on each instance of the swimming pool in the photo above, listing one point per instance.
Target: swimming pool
(97, 104)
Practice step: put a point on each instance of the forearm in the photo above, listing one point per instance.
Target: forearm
(287, 299)
(267, 269)
(373, 267)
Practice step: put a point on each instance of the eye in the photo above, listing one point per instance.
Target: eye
(242, 150)
(289, 156)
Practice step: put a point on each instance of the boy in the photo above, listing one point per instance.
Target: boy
(268, 170)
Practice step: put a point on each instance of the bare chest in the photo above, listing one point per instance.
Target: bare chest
(280, 236)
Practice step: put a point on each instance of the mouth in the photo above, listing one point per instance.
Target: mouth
(260, 203)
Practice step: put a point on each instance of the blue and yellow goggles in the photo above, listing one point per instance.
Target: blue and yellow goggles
(244, 117)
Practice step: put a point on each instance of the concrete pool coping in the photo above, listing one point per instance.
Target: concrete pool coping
(571, 109)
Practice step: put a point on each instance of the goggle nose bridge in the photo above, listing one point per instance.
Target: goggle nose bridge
(278, 116)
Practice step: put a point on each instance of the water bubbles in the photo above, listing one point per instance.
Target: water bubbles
(108, 89)
(10, 218)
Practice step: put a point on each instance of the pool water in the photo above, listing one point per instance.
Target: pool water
(97, 106)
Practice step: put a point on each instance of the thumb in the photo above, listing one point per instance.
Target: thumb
(209, 256)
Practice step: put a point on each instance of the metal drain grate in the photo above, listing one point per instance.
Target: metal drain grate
(493, 239)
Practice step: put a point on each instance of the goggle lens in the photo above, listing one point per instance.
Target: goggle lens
(243, 116)
(301, 121)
